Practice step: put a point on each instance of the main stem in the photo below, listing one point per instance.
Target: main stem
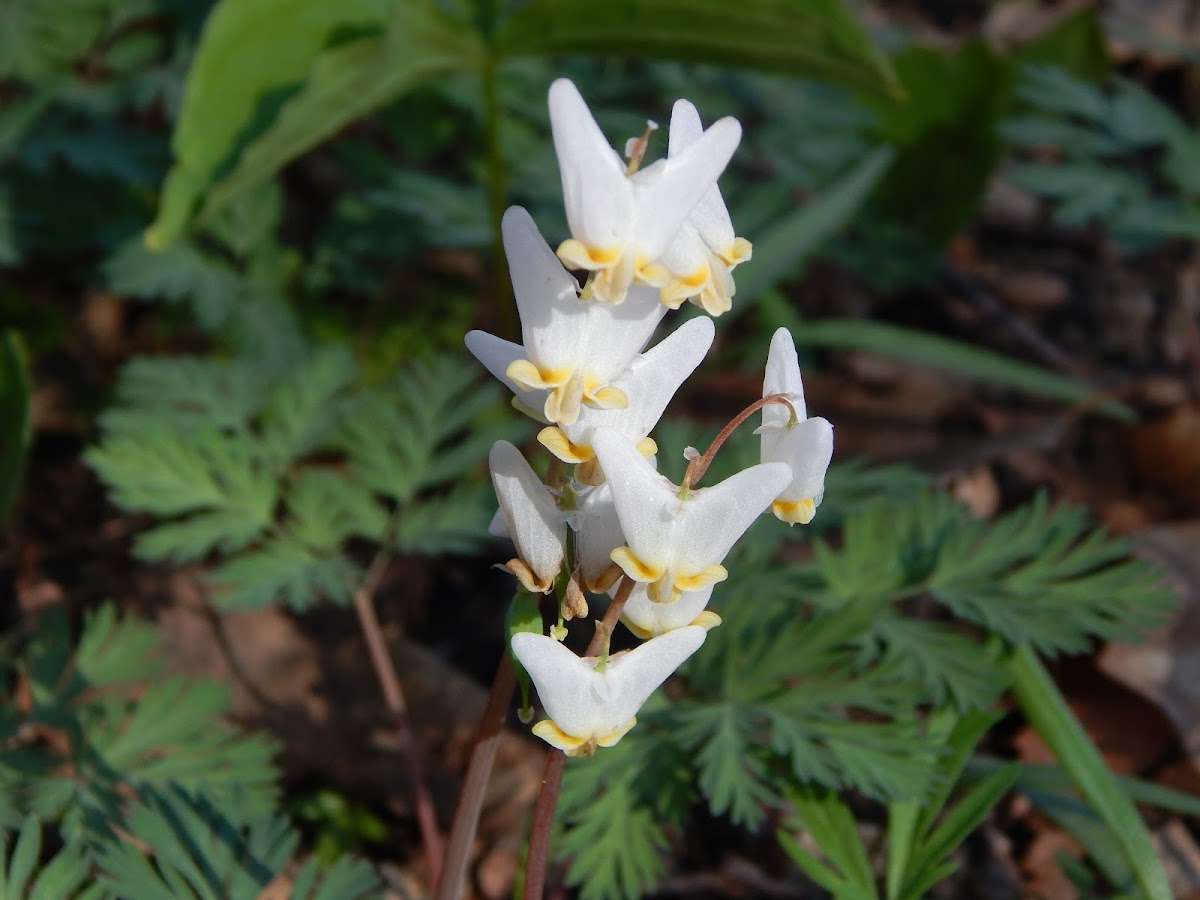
(393, 696)
(543, 814)
(475, 781)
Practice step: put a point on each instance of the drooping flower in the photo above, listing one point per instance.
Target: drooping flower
(571, 349)
(648, 619)
(597, 534)
(621, 221)
(677, 538)
(594, 701)
(649, 382)
(805, 444)
(703, 255)
(532, 519)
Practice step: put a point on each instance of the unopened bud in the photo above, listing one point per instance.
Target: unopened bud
(558, 632)
(525, 714)
(690, 453)
(574, 603)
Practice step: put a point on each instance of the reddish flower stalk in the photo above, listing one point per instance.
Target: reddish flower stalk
(699, 465)
(538, 857)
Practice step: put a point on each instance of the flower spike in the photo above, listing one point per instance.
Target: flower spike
(805, 444)
(531, 518)
(594, 701)
(622, 223)
(676, 540)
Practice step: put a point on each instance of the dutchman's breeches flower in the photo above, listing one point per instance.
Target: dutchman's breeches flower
(592, 702)
(531, 517)
(571, 349)
(649, 382)
(702, 257)
(676, 538)
(621, 221)
(648, 619)
(806, 445)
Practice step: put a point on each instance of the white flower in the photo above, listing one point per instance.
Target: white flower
(572, 348)
(531, 518)
(622, 222)
(676, 539)
(706, 250)
(593, 704)
(649, 382)
(597, 534)
(805, 444)
(648, 619)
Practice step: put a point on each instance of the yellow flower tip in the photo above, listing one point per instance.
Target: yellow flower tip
(578, 255)
(647, 446)
(527, 577)
(608, 397)
(558, 632)
(637, 630)
(654, 274)
(612, 737)
(706, 577)
(696, 278)
(713, 301)
(707, 620)
(663, 590)
(736, 253)
(529, 377)
(605, 580)
(634, 567)
(795, 511)
(556, 737)
(589, 471)
(555, 440)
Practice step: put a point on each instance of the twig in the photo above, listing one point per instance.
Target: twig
(699, 465)
(543, 814)
(393, 696)
(479, 770)
(991, 307)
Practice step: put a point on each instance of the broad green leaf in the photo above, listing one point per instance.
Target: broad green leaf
(783, 250)
(1049, 714)
(14, 417)
(813, 38)
(952, 356)
(273, 78)
(945, 135)
(252, 54)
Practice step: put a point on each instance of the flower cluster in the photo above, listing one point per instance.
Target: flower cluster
(648, 239)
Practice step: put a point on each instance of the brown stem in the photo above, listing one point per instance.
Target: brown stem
(698, 466)
(543, 814)
(479, 770)
(393, 697)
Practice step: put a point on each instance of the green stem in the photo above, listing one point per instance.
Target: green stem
(497, 189)
(1048, 713)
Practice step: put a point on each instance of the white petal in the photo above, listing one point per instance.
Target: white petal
(649, 382)
(647, 503)
(566, 685)
(782, 377)
(667, 192)
(596, 192)
(648, 617)
(496, 354)
(612, 334)
(532, 516)
(597, 532)
(715, 517)
(710, 217)
(634, 676)
(547, 294)
(807, 449)
(498, 528)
